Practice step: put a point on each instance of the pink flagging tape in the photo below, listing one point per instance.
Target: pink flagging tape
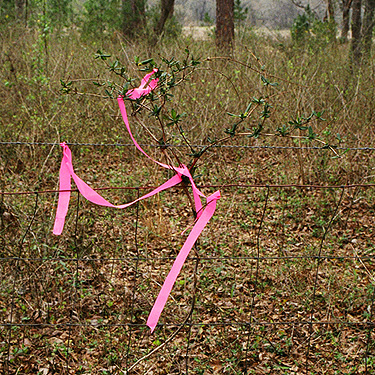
(180, 260)
(203, 214)
(67, 172)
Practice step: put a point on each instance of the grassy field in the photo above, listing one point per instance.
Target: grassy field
(282, 279)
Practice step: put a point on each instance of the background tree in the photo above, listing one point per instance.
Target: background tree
(355, 50)
(167, 8)
(368, 26)
(133, 17)
(330, 11)
(224, 23)
(346, 5)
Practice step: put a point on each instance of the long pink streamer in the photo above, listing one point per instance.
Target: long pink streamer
(203, 215)
(180, 260)
(67, 172)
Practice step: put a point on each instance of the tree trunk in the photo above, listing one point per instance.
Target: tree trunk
(330, 11)
(225, 24)
(346, 5)
(356, 32)
(167, 8)
(133, 17)
(368, 26)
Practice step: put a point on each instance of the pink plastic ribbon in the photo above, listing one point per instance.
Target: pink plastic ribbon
(67, 172)
(203, 214)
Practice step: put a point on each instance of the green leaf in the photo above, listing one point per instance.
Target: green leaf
(266, 113)
(283, 130)
(66, 87)
(110, 95)
(258, 101)
(232, 131)
(195, 62)
(319, 115)
(311, 135)
(102, 55)
(232, 114)
(248, 108)
(156, 111)
(144, 62)
(265, 81)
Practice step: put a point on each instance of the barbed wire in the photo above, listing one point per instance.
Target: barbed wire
(322, 148)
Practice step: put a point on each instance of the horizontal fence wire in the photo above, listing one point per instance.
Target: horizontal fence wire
(195, 324)
(281, 281)
(201, 258)
(131, 145)
(217, 186)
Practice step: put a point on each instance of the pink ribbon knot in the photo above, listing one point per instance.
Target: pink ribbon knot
(204, 214)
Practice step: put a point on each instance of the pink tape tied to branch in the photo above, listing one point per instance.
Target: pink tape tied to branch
(204, 214)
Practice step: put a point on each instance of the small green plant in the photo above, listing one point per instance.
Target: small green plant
(308, 28)
(240, 11)
(301, 27)
(207, 20)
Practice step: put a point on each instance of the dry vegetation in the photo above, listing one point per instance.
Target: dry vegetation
(277, 258)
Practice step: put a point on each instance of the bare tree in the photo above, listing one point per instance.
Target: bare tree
(346, 5)
(356, 32)
(368, 26)
(330, 11)
(225, 23)
(167, 8)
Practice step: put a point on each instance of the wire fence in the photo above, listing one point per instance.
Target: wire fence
(281, 281)
(199, 146)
